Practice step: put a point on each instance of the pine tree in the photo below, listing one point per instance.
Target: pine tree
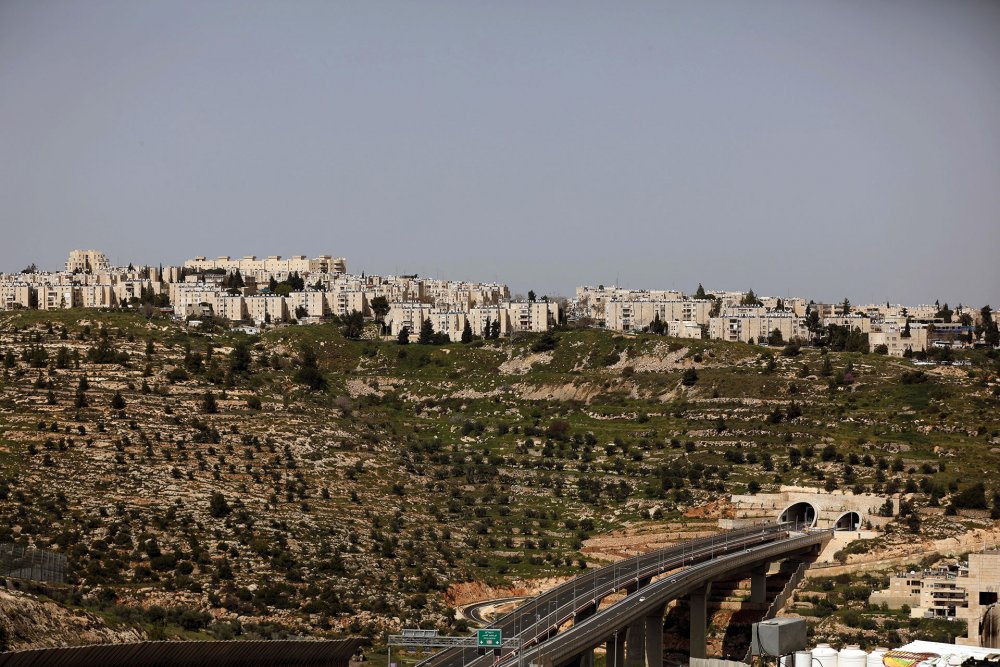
(495, 329)
(700, 292)
(208, 404)
(426, 332)
(117, 401)
(467, 332)
(404, 336)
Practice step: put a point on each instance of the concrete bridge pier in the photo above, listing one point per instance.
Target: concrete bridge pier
(698, 603)
(615, 647)
(654, 638)
(635, 648)
(758, 583)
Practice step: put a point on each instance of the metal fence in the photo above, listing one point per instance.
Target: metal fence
(20, 562)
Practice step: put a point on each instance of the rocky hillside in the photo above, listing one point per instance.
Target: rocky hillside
(205, 482)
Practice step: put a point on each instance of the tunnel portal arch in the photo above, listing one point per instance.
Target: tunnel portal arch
(802, 513)
(848, 521)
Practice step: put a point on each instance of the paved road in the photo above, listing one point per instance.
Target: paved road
(474, 611)
(541, 616)
(594, 630)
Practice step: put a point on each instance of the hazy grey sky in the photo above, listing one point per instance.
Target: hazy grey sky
(814, 148)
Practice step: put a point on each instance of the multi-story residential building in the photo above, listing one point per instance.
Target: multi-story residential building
(194, 300)
(232, 307)
(482, 316)
(964, 592)
(532, 315)
(15, 295)
(266, 308)
(756, 328)
(87, 261)
(450, 322)
(312, 303)
(859, 321)
(96, 296)
(592, 301)
(346, 301)
(687, 329)
(273, 264)
(893, 334)
(57, 297)
(638, 315)
(407, 315)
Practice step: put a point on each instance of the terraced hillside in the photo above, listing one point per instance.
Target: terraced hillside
(207, 482)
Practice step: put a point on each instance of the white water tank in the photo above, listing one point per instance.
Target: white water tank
(803, 659)
(825, 655)
(852, 656)
(875, 657)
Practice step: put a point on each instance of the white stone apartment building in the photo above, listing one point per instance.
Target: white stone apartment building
(194, 300)
(57, 297)
(408, 315)
(532, 315)
(756, 328)
(891, 334)
(96, 296)
(84, 261)
(963, 592)
(232, 307)
(313, 302)
(346, 301)
(263, 308)
(480, 316)
(273, 264)
(450, 322)
(638, 315)
(686, 329)
(15, 295)
(859, 321)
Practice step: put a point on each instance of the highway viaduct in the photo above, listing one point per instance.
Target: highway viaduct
(631, 629)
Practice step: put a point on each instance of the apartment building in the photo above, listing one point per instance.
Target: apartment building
(892, 334)
(755, 328)
(273, 264)
(194, 300)
(96, 296)
(481, 316)
(408, 315)
(532, 315)
(638, 315)
(87, 261)
(312, 302)
(263, 308)
(687, 329)
(15, 295)
(859, 321)
(57, 297)
(962, 591)
(346, 301)
(231, 307)
(592, 301)
(450, 322)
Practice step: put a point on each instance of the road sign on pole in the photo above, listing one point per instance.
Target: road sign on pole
(488, 638)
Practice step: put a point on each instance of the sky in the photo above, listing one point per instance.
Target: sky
(817, 149)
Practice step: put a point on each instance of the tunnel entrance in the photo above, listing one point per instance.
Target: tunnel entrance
(801, 513)
(848, 521)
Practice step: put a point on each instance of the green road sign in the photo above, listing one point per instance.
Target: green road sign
(488, 638)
